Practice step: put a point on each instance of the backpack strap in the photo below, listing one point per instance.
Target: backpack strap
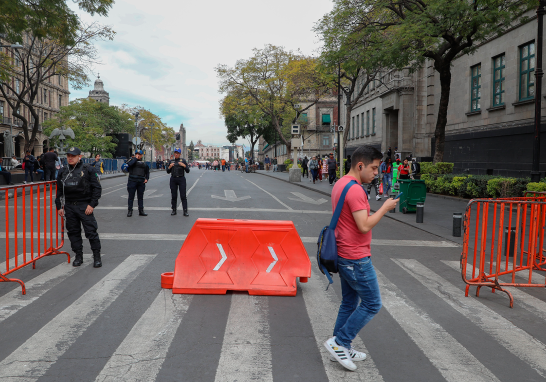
(339, 206)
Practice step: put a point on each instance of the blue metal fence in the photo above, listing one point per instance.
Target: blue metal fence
(114, 165)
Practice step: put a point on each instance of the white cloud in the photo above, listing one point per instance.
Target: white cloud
(164, 53)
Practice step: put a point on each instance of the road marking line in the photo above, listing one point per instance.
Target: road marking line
(230, 196)
(223, 259)
(142, 353)
(322, 307)
(452, 359)
(13, 301)
(188, 193)
(275, 259)
(246, 349)
(306, 199)
(220, 209)
(270, 194)
(32, 359)
(518, 342)
(530, 303)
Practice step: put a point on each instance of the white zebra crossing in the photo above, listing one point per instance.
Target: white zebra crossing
(452, 360)
(532, 304)
(13, 301)
(246, 350)
(514, 339)
(142, 352)
(33, 358)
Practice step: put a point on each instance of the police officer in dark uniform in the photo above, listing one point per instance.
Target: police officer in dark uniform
(178, 167)
(139, 173)
(78, 193)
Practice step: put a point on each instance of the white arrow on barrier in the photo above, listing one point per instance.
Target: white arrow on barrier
(275, 258)
(307, 199)
(230, 196)
(224, 257)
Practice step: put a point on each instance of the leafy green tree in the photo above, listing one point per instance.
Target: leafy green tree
(45, 60)
(435, 30)
(93, 123)
(275, 81)
(161, 133)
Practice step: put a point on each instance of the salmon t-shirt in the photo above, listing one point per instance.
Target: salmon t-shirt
(351, 243)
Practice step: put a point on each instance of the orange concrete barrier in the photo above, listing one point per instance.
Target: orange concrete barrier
(504, 244)
(33, 229)
(263, 257)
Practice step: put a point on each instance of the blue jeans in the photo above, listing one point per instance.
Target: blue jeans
(387, 183)
(358, 282)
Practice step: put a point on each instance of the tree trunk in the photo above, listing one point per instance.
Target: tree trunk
(347, 129)
(441, 122)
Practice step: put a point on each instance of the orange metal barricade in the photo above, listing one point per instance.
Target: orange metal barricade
(504, 244)
(31, 209)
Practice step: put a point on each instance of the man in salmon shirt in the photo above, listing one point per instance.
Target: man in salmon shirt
(356, 272)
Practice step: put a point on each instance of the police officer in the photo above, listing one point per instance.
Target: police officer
(178, 167)
(78, 193)
(139, 173)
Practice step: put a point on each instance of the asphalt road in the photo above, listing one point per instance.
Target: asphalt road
(115, 323)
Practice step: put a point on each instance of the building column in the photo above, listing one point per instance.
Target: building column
(406, 123)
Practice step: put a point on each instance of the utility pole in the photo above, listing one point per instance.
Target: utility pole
(539, 73)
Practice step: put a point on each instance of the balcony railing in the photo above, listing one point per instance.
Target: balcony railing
(17, 122)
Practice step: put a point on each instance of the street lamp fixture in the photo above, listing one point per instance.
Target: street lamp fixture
(12, 46)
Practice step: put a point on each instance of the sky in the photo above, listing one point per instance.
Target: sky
(164, 53)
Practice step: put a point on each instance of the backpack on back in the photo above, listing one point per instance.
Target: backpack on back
(327, 246)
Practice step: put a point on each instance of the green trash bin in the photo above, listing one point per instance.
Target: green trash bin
(414, 191)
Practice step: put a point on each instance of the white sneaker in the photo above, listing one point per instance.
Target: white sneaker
(340, 353)
(25, 182)
(356, 356)
(377, 197)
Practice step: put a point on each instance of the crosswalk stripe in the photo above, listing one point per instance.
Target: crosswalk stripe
(452, 360)
(13, 301)
(33, 358)
(514, 339)
(142, 353)
(530, 303)
(322, 307)
(246, 349)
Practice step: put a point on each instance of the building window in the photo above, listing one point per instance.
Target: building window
(49, 98)
(526, 71)
(45, 116)
(362, 124)
(475, 87)
(498, 80)
(17, 86)
(373, 121)
(303, 118)
(357, 126)
(60, 80)
(60, 101)
(45, 97)
(353, 126)
(367, 123)
(326, 120)
(1, 108)
(326, 140)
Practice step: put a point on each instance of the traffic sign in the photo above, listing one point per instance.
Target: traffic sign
(136, 141)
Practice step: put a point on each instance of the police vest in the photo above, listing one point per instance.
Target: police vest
(177, 169)
(76, 184)
(139, 169)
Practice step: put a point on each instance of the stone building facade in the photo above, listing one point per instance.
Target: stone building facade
(491, 109)
(317, 128)
(98, 93)
(52, 95)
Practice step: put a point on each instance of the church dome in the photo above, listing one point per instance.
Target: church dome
(99, 85)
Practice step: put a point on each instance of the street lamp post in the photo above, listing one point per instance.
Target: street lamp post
(539, 73)
(152, 143)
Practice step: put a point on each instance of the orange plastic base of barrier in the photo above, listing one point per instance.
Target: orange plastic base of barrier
(259, 256)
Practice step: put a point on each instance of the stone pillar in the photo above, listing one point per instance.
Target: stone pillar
(406, 123)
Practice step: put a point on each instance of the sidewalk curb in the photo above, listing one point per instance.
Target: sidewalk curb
(372, 210)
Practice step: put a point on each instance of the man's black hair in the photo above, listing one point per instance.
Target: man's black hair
(51, 149)
(365, 154)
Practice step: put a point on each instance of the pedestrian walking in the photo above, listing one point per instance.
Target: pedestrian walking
(49, 160)
(98, 165)
(78, 194)
(29, 162)
(58, 164)
(267, 162)
(404, 170)
(361, 299)
(275, 165)
(215, 165)
(139, 174)
(332, 168)
(305, 167)
(178, 169)
(375, 184)
(7, 176)
(386, 169)
(313, 166)
(223, 165)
